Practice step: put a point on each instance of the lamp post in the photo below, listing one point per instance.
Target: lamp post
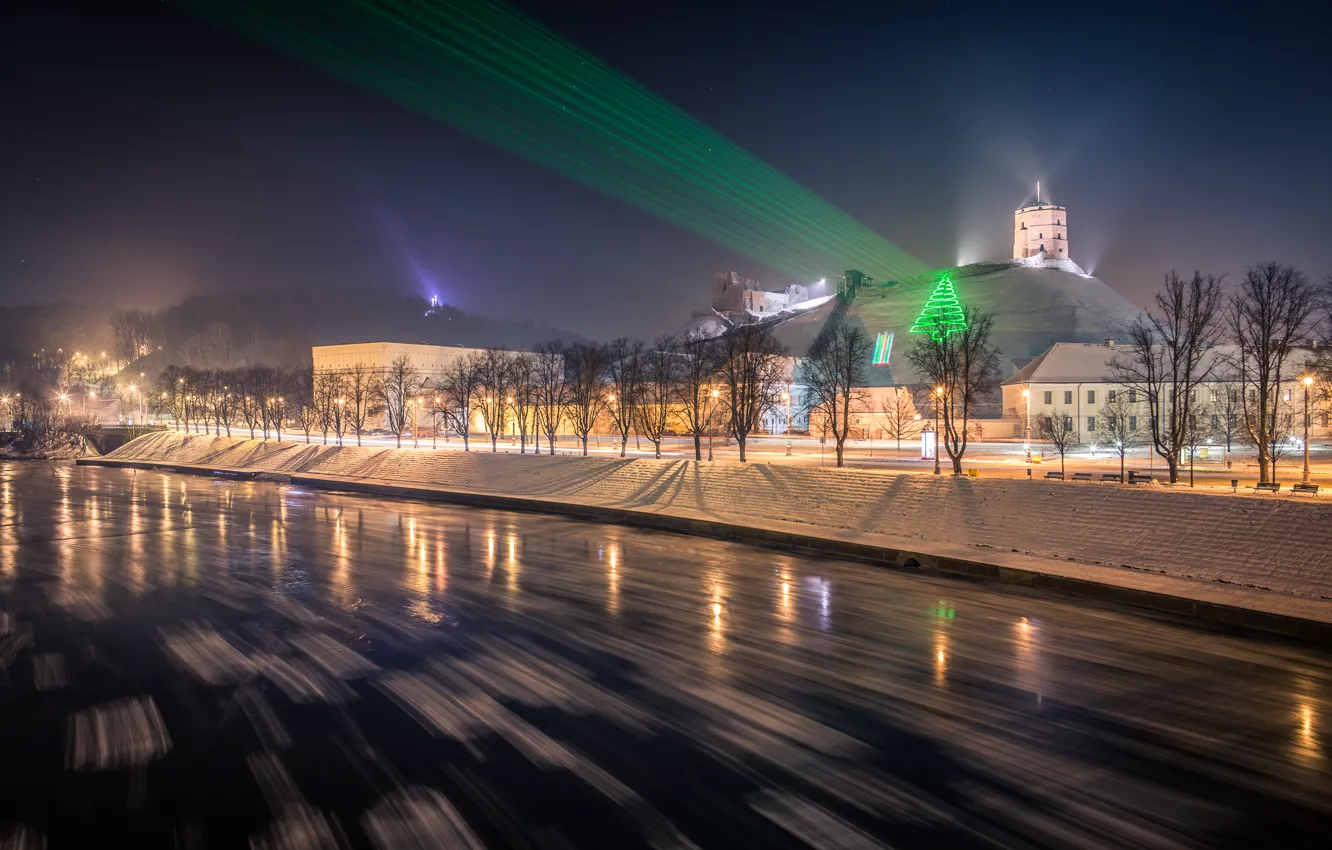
(1026, 430)
(338, 429)
(786, 397)
(434, 425)
(1307, 380)
(712, 408)
(938, 403)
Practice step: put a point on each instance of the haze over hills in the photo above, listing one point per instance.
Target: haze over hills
(277, 327)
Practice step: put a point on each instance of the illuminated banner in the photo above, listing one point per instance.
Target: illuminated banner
(883, 349)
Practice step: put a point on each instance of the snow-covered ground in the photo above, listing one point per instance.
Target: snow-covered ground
(1272, 543)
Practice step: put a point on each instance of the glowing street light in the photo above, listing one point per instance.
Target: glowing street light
(1307, 380)
(786, 397)
(938, 403)
(1026, 430)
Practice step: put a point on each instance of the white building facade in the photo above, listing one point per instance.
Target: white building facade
(1075, 380)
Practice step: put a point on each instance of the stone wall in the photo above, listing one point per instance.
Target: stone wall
(1275, 543)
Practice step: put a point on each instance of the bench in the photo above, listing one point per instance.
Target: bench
(1082, 476)
(1058, 476)
(1109, 476)
(1136, 477)
(1311, 489)
(1267, 488)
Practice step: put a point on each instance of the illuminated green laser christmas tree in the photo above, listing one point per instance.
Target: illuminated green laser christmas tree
(495, 74)
(943, 312)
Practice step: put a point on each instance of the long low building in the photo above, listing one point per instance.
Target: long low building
(1076, 381)
(429, 360)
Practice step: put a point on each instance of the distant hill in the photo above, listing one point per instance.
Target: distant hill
(1033, 309)
(277, 327)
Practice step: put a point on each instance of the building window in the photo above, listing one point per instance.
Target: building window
(1216, 421)
(1049, 397)
(1211, 394)
(1285, 396)
(1068, 396)
(1068, 423)
(1133, 396)
(1193, 396)
(1133, 423)
(1091, 396)
(1091, 424)
(1110, 396)
(1234, 396)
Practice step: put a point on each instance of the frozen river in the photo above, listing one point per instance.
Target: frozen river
(196, 662)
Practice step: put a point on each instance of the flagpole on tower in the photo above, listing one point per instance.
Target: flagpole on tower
(1038, 192)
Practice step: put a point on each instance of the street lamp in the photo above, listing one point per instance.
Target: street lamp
(786, 397)
(712, 408)
(938, 403)
(1307, 380)
(1026, 430)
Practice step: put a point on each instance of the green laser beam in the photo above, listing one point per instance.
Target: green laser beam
(495, 74)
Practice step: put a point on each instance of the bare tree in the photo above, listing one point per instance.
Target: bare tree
(358, 389)
(587, 365)
(1120, 415)
(394, 387)
(751, 368)
(897, 416)
(1057, 429)
(550, 392)
(696, 393)
(656, 398)
(493, 393)
(1227, 413)
(329, 402)
(834, 375)
(522, 386)
(963, 367)
(1168, 356)
(1273, 310)
(624, 368)
(457, 387)
(303, 399)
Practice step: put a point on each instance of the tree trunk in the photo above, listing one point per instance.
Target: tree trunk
(584, 445)
(624, 443)
(1172, 464)
(358, 436)
(1262, 466)
(740, 441)
(840, 444)
(957, 464)
(698, 446)
(400, 438)
(656, 444)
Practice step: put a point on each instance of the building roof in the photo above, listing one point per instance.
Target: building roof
(1080, 362)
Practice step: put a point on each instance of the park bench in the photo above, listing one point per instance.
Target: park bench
(1058, 476)
(1109, 476)
(1267, 488)
(1311, 489)
(1082, 476)
(1136, 477)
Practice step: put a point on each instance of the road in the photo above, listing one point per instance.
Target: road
(191, 662)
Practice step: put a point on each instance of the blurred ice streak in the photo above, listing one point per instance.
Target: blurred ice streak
(206, 654)
(300, 682)
(813, 824)
(299, 827)
(48, 671)
(11, 644)
(21, 837)
(117, 734)
(335, 658)
(86, 605)
(418, 817)
(296, 825)
(267, 725)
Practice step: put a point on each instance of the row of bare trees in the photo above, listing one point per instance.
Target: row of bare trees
(1175, 349)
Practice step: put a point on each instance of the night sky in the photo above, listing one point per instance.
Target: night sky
(148, 155)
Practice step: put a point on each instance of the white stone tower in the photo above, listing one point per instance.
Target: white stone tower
(1040, 228)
